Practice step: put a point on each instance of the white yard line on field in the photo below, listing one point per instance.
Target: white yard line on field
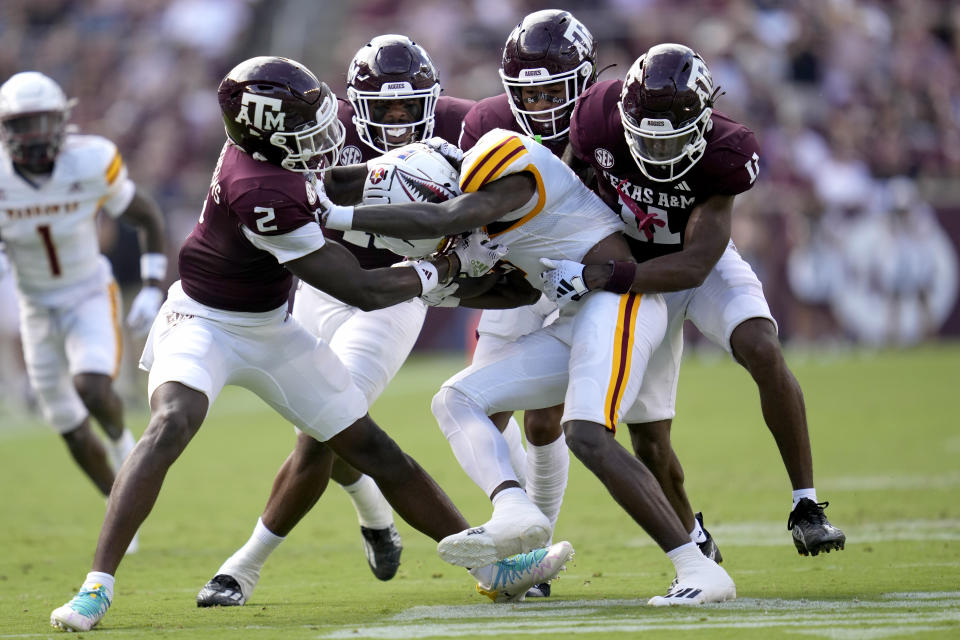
(774, 534)
(896, 614)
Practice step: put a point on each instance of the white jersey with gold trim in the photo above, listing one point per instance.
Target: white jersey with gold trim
(48, 223)
(564, 219)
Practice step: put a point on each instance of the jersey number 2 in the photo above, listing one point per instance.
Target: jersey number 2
(47, 237)
(263, 222)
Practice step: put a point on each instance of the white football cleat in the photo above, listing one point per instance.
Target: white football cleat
(118, 450)
(514, 576)
(134, 545)
(83, 612)
(513, 532)
(709, 584)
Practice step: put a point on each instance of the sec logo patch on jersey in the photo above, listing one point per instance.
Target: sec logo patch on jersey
(350, 155)
(604, 157)
(311, 194)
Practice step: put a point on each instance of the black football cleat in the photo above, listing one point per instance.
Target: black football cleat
(812, 532)
(541, 590)
(709, 546)
(221, 591)
(383, 547)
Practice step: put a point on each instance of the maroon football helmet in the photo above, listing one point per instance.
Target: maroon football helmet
(276, 110)
(392, 69)
(548, 47)
(665, 106)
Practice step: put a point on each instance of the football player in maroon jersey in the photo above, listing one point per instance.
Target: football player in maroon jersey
(390, 81)
(670, 166)
(225, 322)
(548, 61)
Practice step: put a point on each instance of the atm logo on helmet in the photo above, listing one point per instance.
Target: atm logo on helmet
(267, 112)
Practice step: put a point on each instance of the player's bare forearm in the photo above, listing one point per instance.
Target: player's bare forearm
(706, 237)
(344, 184)
(336, 271)
(416, 220)
(144, 214)
(506, 291)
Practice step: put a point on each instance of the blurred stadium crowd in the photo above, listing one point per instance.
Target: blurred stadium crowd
(852, 227)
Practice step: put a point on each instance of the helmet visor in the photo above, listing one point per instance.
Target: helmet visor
(661, 148)
(542, 102)
(661, 152)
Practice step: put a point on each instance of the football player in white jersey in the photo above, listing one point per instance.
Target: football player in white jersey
(52, 185)
(592, 358)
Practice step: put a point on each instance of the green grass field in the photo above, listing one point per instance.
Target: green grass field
(884, 427)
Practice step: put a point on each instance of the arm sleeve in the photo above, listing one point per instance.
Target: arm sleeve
(289, 246)
(736, 168)
(120, 187)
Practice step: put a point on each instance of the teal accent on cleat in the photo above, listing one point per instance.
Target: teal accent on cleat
(514, 576)
(83, 612)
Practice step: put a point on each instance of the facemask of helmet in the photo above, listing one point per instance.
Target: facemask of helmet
(393, 87)
(548, 61)
(665, 106)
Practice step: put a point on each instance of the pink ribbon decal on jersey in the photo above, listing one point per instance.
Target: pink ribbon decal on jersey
(645, 221)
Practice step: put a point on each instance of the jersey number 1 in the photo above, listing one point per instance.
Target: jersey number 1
(47, 237)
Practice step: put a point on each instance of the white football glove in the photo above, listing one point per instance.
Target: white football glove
(333, 216)
(443, 295)
(478, 254)
(450, 151)
(143, 310)
(563, 280)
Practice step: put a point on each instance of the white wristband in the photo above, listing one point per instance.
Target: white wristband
(429, 276)
(340, 218)
(153, 266)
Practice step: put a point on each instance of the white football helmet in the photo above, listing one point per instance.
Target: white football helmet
(412, 173)
(34, 112)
